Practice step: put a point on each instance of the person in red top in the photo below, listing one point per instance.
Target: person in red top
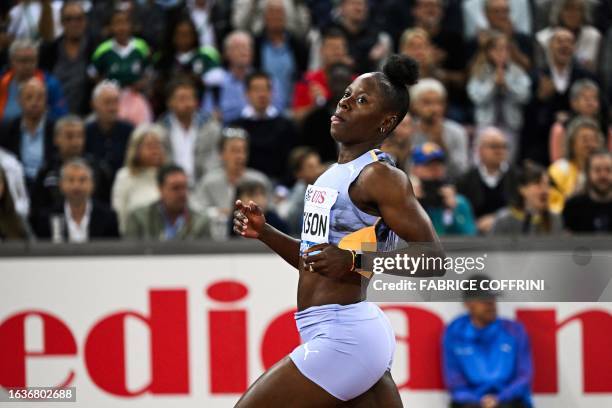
(313, 91)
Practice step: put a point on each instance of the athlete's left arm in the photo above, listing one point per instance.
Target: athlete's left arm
(388, 191)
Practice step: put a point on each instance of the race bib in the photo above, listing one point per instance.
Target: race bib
(318, 202)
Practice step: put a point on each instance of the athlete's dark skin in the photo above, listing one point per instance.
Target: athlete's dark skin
(362, 120)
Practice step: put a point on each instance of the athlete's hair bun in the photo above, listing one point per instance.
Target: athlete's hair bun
(401, 70)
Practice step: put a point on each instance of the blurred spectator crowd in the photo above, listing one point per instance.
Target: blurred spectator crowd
(147, 119)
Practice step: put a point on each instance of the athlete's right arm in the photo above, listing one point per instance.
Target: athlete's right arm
(250, 222)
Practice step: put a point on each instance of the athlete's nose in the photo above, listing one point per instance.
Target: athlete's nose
(343, 104)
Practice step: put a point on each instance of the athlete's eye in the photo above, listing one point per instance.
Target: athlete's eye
(347, 93)
(361, 99)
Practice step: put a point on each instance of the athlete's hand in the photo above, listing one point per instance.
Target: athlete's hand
(331, 261)
(248, 219)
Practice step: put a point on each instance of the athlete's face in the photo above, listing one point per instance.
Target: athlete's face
(361, 113)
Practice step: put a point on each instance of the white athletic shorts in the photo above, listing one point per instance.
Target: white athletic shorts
(345, 349)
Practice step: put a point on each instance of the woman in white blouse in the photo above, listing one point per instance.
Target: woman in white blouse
(135, 184)
(499, 88)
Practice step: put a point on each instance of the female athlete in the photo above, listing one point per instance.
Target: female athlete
(348, 343)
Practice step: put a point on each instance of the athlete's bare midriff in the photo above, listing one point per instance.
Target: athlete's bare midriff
(316, 290)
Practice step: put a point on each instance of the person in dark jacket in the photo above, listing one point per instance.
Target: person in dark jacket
(67, 57)
(551, 86)
(272, 135)
(106, 135)
(80, 218)
(486, 359)
(490, 184)
(591, 211)
(69, 139)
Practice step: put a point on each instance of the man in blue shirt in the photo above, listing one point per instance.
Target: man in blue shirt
(226, 95)
(30, 136)
(486, 359)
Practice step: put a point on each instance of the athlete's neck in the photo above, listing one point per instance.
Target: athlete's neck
(351, 152)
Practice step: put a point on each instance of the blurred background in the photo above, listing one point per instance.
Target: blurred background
(129, 128)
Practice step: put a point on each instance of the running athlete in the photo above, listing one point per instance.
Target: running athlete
(348, 343)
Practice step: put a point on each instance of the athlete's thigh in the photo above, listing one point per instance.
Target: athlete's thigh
(284, 386)
(383, 394)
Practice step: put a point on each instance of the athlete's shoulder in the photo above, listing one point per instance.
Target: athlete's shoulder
(383, 172)
(383, 182)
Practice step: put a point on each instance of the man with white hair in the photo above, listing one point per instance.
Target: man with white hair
(227, 100)
(23, 58)
(80, 217)
(490, 183)
(428, 103)
(106, 135)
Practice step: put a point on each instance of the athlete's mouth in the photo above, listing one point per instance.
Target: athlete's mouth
(337, 118)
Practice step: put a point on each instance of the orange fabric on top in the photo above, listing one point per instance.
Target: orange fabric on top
(356, 240)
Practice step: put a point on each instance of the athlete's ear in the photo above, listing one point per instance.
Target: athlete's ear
(388, 123)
